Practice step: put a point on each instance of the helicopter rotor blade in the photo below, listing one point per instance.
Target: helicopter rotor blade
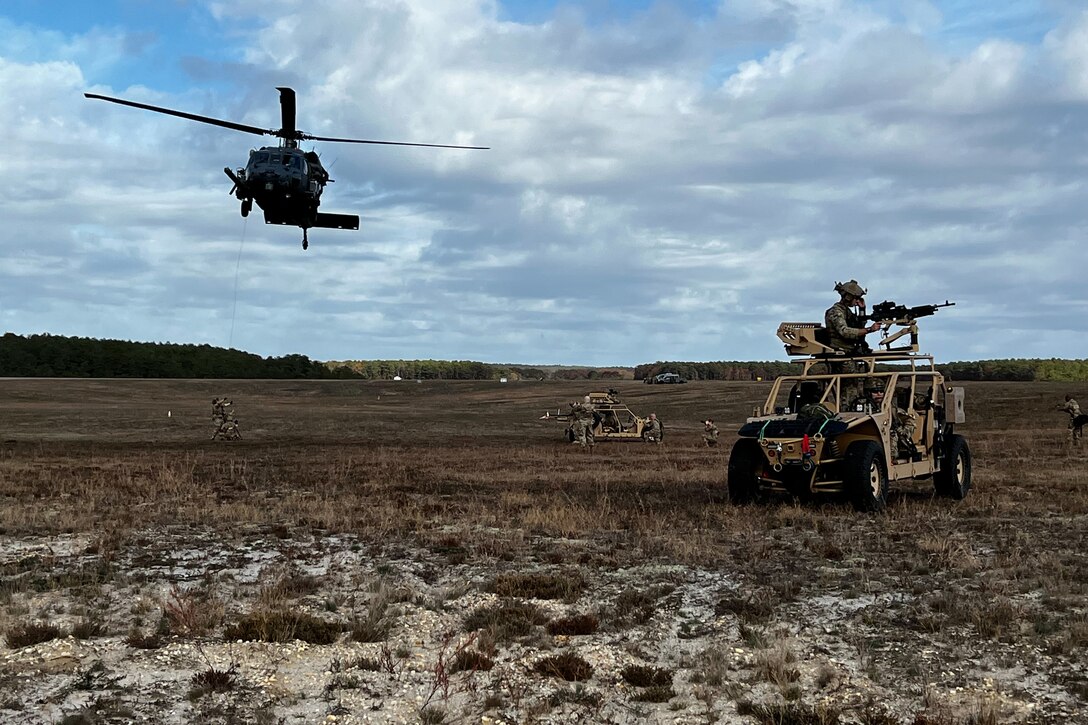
(311, 137)
(191, 116)
(287, 112)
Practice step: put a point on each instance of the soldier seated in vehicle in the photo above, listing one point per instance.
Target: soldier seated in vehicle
(902, 428)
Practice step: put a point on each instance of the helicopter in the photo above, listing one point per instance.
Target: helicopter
(285, 181)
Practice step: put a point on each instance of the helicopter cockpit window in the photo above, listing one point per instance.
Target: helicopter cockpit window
(296, 162)
(261, 157)
(275, 158)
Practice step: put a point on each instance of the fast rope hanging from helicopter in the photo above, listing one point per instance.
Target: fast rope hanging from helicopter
(237, 266)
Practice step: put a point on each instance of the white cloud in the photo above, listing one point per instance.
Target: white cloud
(689, 215)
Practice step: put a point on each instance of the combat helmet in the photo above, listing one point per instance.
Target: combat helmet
(851, 288)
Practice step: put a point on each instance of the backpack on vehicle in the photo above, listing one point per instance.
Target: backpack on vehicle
(815, 411)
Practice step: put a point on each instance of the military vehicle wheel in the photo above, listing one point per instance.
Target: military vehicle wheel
(954, 478)
(745, 464)
(865, 477)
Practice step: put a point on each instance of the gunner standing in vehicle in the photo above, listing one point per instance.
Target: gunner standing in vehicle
(845, 327)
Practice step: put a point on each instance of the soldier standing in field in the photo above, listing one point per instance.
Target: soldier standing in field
(226, 427)
(652, 431)
(582, 422)
(710, 433)
(1076, 421)
(845, 320)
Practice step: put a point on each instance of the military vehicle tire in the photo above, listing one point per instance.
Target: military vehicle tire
(954, 478)
(865, 476)
(745, 461)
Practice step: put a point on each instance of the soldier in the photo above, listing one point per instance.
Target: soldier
(582, 425)
(845, 327)
(229, 429)
(903, 426)
(1076, 427)
(226, 426)
(710, 433)
(652, 433)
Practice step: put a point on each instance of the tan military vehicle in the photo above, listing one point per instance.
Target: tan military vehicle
(843, 425)
(612, 419)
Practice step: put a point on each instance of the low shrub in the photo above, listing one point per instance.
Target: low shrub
(283, 627)
(566, 666)
(575, 625)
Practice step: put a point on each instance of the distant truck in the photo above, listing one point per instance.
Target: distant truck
(664, 379)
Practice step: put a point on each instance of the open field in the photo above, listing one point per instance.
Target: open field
(434, 553)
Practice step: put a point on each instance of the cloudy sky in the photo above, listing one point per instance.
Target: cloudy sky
(667, 179)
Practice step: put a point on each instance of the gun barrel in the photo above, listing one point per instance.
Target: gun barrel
(889, 311)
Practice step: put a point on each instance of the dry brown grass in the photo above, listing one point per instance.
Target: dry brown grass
(574, 625)
(390, 465)
(566, 666)
(282, 626)
(506, 621)
(31, 633)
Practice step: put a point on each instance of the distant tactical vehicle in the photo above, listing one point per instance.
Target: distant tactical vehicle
(664, 379)
(285, 181)
(612, 420)
(842, 426)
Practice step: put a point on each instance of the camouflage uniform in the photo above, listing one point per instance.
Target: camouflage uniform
(219, 410)
(582, 425)
(652, 431)
(710, 433)
(846, 332)
(902, 421)
(1076, 432)
(845, 328)
(226, 427)
(902, 433)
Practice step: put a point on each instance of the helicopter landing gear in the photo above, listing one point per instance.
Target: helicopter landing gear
(305, 241)
(247, 206)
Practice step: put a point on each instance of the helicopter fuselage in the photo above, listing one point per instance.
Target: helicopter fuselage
(286, 183)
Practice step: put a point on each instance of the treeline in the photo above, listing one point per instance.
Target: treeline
(993, 370)
(84, 357)
(469, 370)
(433, 370)
(721, 370)
(1017, 369)
(58, 356)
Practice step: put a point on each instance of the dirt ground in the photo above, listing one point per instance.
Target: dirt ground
(432, 552)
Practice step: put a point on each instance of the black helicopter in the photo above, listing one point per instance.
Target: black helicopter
(285, 181)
